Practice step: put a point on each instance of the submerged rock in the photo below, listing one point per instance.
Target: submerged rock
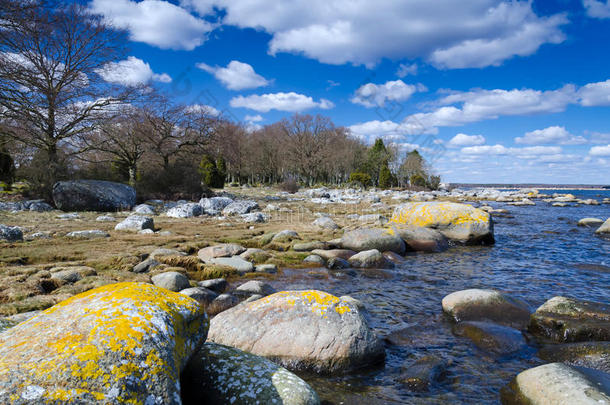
(93, 195)
(486, 305)
(135, 223)
(301, 330)
(423, 373)
(558, 383)
(584, 354)
(374, 238)
(590, 222)
(459, 222)
(564, 319)
(120, 343)
(490, 337)
(420, 239)
(219, 375)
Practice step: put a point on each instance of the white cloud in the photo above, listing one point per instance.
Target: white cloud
(154, 22)
(292, 102)
(600, 151)
(236, 76)
(386, 129)
(254, 118)
(461, 140)
(479, 105)
(405, 70)
(485, 150)
(204, 109)
(131, 72)
(449, 33)
(598, 137)
(550, 135)
(597, 8)
(595, 94)
(523, 153)
(375, 95)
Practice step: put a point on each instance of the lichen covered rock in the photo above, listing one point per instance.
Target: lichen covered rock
(459, 222)
(121, 343)
(564, 319)
(301, 330)
(219, 375)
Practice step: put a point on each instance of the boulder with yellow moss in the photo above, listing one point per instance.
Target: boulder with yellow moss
(459, 222)
(301, 330)
(121, 343)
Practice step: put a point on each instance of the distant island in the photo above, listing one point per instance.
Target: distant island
(538, 186)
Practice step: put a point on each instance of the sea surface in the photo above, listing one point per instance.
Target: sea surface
(539, 253)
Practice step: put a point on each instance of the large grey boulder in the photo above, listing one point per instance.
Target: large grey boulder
(93, 195)
(564, 319)
(240, 207)
(373, 238)
(135, 223)
(459, 222)
(223, 250)
(558, 383)
(120, 343)
(486, 305)
(144, 209)
(187, 210)
(171, 280)
(369, 259)
(605, 228)
(219, 375)
(301, 330)
(326, 223)
(10, 233)
(421, 239)
(214, 205)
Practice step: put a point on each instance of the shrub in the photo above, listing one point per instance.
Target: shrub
(385, 176)
(418, 180)
(362, 179)
(289, 186)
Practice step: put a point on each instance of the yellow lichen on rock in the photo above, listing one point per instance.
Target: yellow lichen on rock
(119, 343)
(318, 301)
(460, 222)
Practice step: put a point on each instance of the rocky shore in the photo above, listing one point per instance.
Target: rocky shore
(111, 306)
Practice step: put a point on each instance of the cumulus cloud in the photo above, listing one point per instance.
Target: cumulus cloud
(386, 129)
(550, 135)
(448, 33)
(376, 95)
(527, 152)
(254, 118)
(131, 72)
(600, 151)
(203, 109)
(154, 22)
(291, 102)
(597, 8)
(236, 76)
(461, 140)
(595, 94)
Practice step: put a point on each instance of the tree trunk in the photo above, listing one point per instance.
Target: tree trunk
(133, 171)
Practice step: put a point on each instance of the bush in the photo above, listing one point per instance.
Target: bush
(418, 180)
(7, 167)
(362, 179)
(212, 172)
(385, 176)
(289, 186)
(434, 182)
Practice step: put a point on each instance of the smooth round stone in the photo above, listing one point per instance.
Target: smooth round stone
(171, 280)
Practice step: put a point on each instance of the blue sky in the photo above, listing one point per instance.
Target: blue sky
(488, 90)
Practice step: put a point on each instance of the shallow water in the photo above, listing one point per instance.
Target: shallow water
(539, 253)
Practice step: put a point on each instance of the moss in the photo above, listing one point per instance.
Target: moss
(190, 263)
(212, 271)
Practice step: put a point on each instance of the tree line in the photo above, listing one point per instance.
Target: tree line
(59, 119)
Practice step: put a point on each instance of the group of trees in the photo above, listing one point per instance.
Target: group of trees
(60, 119)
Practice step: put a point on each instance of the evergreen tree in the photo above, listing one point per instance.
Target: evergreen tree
(385, 176)
(208, 171)
(7, 167)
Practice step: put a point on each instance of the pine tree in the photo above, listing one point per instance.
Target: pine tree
(385, 176)
(208, 171)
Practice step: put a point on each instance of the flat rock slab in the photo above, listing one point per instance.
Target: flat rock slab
(344, 254)
(486, 305)
(88, 234)
(459, 222)
(224, 250)
(584, 354)
(301, 330)
(219, 375)
(237, 263)
(558, 384)
(120, 343)
(421, 239)
(562, 319)
(374, 238)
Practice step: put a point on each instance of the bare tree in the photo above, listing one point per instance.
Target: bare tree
(50, 87)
